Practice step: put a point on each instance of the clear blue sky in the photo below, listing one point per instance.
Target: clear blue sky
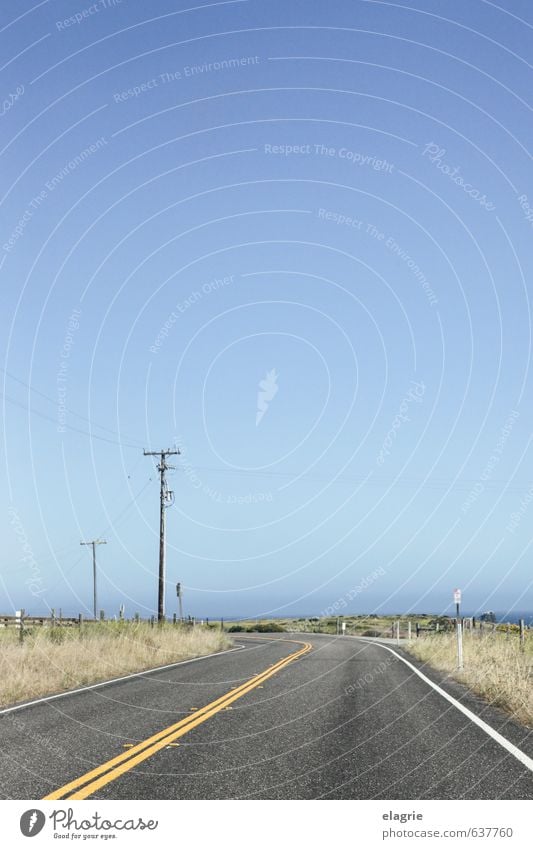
(332, 199)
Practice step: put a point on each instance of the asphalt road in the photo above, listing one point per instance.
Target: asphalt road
(338, 719)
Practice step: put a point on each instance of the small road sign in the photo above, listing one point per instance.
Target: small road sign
(457, 596)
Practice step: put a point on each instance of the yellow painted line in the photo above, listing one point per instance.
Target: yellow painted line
(87, 784)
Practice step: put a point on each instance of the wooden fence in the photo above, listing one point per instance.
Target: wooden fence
(31, 621)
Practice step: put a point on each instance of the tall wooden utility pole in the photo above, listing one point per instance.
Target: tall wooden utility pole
(166, 499)
(94, 543)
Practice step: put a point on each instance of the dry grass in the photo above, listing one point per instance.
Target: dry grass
(494, 667)
(54, 660)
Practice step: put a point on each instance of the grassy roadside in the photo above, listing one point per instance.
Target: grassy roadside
(356, 625)
(494, 668)
(52, 660)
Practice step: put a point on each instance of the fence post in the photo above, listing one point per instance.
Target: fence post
(522, 636)
(80, 620)
(20, 622)
(397, 632)
(409, 631)
(151, 621)
(417, 627)
(174, 617)
(459, 645)
(53, 616)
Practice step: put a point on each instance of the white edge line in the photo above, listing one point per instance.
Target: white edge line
(488, 729)
(115, 680)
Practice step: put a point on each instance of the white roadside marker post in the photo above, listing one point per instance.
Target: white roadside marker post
(19, 621)
(459, 628)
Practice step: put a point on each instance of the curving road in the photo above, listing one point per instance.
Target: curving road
(281, 717)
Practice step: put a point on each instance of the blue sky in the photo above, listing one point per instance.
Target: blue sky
(334, 200)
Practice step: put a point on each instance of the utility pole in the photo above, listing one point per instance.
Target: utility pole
(94, 543)
(166, 499)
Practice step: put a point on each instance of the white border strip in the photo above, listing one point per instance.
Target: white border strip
(488, 729)
(115, 680)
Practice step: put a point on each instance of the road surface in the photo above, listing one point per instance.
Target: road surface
(281, 717)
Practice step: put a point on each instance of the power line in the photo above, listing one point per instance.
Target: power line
(461, 484)
(68, 410)
(70, 427)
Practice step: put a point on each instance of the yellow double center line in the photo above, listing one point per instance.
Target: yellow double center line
(92, 781)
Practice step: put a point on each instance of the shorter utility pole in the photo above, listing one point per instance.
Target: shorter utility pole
(94, 543)
(179, 593)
